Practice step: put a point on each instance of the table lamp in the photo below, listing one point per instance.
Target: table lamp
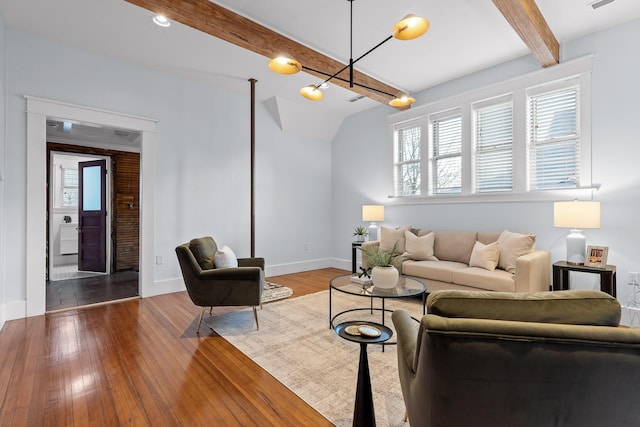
(373, 213)
(576, 215)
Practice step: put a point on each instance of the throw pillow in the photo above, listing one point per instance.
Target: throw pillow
(419, 248)
(485, 256)
(225, 258)
(389, 237)
(512, 246)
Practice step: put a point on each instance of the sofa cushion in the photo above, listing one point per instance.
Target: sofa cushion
(487, 237)
(419, 248)
(485, 256)
(573, 307)
(512, 246)
(476, 277)
(434, 270)
(389, 237)
(454, 246)
(204, 249)
(225, 258)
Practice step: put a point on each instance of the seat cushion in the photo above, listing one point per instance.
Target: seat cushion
(204, 250)
(434, 270)
(476, 277)
(573, 307)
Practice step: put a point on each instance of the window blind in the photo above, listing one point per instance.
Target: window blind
(447, 160)
(493, 167)
(554, 142)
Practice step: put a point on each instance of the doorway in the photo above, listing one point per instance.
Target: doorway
(94, 220)
(64, 218)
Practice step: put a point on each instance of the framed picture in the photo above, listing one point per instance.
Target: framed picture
(596, 256)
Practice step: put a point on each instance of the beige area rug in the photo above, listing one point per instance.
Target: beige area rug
(274, 292)
(297, 347)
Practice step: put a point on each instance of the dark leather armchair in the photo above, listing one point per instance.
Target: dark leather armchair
(523, 359)
(208, 286)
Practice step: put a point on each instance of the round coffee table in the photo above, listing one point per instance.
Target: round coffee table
(407, 287)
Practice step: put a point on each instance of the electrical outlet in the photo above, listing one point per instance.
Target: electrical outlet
(634, 279)
(158, 259)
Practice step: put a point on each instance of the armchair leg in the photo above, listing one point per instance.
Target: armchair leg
(255, 315)
(200, 320)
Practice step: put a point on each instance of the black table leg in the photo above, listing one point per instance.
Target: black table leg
(363, 412)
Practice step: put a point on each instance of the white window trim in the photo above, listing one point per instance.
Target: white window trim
(517, 87)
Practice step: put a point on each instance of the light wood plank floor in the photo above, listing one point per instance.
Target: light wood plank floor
(140, 363)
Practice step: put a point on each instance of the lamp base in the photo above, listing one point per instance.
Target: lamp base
(373, 231)
(576, 247)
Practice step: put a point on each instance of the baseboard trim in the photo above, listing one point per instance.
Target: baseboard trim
(297, 267)
(15, 310)
(3, 317)
(168, 286)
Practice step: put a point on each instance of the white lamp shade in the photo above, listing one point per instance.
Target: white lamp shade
(372, 213)
(576, 214)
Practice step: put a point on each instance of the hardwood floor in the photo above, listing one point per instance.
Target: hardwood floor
(62, 294)
(140, 363)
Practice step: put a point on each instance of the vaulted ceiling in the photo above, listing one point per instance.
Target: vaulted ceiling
(465, 36)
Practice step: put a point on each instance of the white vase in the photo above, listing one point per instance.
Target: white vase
(385, 277)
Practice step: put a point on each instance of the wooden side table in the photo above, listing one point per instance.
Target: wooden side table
(561, 271)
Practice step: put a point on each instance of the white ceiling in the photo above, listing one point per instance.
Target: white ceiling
(465, 36)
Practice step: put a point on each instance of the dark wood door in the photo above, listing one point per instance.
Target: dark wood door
(92, 216)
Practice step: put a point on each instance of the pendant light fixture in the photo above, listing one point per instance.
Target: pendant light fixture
(408, 28)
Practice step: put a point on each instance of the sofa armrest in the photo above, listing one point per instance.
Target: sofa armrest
(251, 262)
(533, 272)
(370, 246)
(240, 273)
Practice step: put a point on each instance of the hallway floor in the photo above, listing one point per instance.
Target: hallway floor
(62, 294)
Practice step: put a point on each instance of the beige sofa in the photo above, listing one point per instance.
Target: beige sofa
(519, 266)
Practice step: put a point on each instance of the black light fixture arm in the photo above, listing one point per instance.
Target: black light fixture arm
(332, 77)
(351, 60)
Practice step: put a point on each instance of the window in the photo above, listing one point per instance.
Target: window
(526, 138)
(69, 187)
(447, 155)
(554, 142)
(407, 161)
(493, 154)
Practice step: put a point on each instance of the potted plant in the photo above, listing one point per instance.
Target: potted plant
(383, 273)
(360, 233)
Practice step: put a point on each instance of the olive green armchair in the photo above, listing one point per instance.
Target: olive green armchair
(209, 286)
(525, 359)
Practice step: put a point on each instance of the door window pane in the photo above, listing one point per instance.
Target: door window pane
(91, 188)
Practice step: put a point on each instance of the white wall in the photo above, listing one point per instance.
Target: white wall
(364, 142)
(3, 163)
(203, 164)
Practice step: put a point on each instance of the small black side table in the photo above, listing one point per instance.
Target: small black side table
(607, 274)
(354, 247)
(363, 412)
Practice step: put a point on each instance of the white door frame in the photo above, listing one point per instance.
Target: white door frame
(38, 110)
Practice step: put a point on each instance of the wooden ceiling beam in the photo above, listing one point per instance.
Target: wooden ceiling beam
(526, 19)
(224, 24)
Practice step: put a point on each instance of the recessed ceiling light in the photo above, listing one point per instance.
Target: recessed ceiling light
(161, 20)
(324, 85)
(600, 3)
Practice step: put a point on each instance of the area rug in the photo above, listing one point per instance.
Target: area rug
(274, 292)
(296, 345)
